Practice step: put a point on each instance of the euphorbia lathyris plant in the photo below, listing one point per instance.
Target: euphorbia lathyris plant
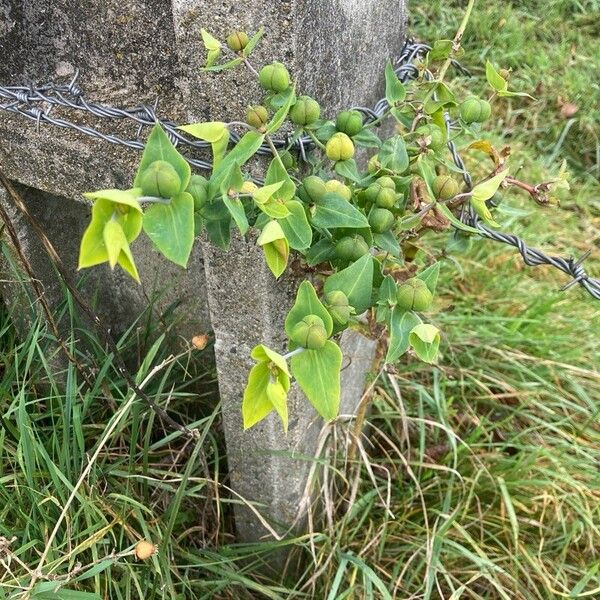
(356, 230)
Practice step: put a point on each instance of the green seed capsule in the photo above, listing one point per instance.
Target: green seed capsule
(351, 248)
(160, 179)
(237, 41)
(310, 333)
(475, 110)
(312, 189)
(338, 307)
(198, 188)
(349, 122)
(414, 295)
(382, 192)
(444, 187)
(373, 165)
(257, 116)
(339, 147)
(437, 140)
(337, 187)
(287, 159)
(274, 77)
(381, 220)
(305, 111)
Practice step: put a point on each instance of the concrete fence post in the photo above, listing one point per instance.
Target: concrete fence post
(130, 52)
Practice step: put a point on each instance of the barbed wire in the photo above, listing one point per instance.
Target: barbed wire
(25, 100)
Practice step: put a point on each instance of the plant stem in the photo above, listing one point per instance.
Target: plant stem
(314, 138)
(457, 39)
(293, 353)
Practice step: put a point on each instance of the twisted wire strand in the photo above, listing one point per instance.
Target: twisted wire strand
(25, 101)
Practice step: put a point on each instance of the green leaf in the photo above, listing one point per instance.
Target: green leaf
(441, 50)
(215, 132)
(230, 64)
(455, 222)
(125, 261)
(325, 131)
(277, 396)
(296, 227)
(265, 193)
(509, 94)
(393, 155)
(494, 78)
(347, 168)
(236, 209)
(322, 251)
(484, 191)
(210, 43)
(114, 240)
(425, 341)
(279, 117)
(219, 232)
(356, 281)
(125, 197)
(275, 247)
(387, 242)
(262, 353)
(367, 138)
(239, 154)
(159, 147)
(276, 173)
(256, 405)
(394, 89)
(211, 131)
(307, 303)
(171, 227)
(400, 325)
(318, 375)
(333, 211)
(430, 276)
(267, 387)
(253, 41)
(93, 250)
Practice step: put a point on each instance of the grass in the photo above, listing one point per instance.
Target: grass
(480, 479)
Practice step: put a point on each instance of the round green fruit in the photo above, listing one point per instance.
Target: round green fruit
(382, 192)
(312, 189)
(475, 110)
(337, 187)
(339, 147)
(160, 179)
(444, 187)
(274, 77)
(373, 165)
(237, 41)
(437, 140)
(198, 189)
(414, 295)
(351, 248)
(305, 111)
(349, 122)
(338, 307)
(310, 333)
(257, 116)
(287, 159)
(381, 220)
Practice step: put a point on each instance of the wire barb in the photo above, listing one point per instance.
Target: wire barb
(25, 100)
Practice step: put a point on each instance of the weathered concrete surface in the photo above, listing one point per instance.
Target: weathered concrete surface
(116, 297)
(336, 51)
(248, 307)
(129, 51)
(125, 53)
